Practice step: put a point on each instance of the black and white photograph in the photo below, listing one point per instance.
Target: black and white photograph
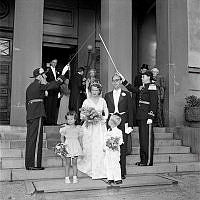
(100, 99)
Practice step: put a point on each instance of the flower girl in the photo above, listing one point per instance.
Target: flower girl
(71, 136)
(113, 141)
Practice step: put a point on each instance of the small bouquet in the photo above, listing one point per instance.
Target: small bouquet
(60, 150)
(113, 143)
(90, 116)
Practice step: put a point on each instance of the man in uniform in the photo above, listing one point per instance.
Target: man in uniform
(35, 94)
(148, 101)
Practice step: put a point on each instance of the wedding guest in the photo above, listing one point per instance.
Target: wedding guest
(76, 89)
(64, 102)
(113, 140)
(119, 101)
(52, 100)
(90, 79)
(35, 114)
(160, 83)
(71, 136)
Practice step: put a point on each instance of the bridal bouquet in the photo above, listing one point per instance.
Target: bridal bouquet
(90, 116)
(60, 150)
(113, 143)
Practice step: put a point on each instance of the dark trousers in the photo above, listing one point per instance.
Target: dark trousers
(123, 153)
(34, 140)
(52, 104)
(146, 140)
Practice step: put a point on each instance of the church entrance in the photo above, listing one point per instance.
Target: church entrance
(62, 54)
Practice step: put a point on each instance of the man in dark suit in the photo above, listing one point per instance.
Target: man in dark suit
(147, 107)
(119, 101)
(35, 94)
(77, 90)
(52, 100)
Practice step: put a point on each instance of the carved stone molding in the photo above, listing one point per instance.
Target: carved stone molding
(4, 8)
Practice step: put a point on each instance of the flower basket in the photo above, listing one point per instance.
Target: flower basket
(192, 114)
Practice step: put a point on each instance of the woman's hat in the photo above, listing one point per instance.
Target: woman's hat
(37, 72)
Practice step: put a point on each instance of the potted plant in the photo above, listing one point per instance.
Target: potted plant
(192, 111)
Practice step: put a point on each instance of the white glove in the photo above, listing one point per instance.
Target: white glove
(122, 77)
(149, 121)
(128, 129)
(65, 69)
(46, 93)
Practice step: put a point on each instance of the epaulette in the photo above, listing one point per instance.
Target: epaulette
(152, 87)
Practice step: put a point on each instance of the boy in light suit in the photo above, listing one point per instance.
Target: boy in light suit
(113, 141)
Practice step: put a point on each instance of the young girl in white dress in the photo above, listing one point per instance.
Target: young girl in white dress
(71, 136)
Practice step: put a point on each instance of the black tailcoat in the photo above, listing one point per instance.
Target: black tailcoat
(76, 90)
(124, 105)
(52, 102)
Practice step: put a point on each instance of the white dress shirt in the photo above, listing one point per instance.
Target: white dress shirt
(116, 95)
(54, 71)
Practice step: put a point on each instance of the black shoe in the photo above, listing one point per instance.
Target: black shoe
(137, 163)
(118, 182)
(110, 181)
(34, 168)
(123, 177)
(150, 164)
(142, 164)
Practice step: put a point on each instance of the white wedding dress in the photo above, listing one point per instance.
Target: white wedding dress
(93, 161)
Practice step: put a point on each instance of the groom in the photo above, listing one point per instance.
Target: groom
(119, 101)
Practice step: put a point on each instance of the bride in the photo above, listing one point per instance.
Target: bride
(92, 162)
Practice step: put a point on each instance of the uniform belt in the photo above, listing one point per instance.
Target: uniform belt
(144, 102)
(121, 113)
(35, 100)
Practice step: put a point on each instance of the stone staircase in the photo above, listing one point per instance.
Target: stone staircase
(170, 155)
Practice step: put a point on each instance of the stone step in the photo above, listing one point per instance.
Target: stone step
(18, 163)
(20, 153)
(59, 172)
(157, 129)
(165, 158)
(15, 153)
(15, 135)
(165, 149)
(160, 135)
(160, 142)
(4, 128)
(131, 160)
(16, 144)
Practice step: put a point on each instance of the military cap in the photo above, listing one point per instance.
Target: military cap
(148, 73)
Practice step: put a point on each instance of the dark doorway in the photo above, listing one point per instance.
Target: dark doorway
(62, 54)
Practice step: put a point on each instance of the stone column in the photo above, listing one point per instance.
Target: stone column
(27, 53)
(116, 30)
(172, 56)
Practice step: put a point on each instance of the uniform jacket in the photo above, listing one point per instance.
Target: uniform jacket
(148, 94)
(124, 105)
(37, 91)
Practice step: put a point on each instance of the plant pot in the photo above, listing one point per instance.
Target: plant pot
(192, 114)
